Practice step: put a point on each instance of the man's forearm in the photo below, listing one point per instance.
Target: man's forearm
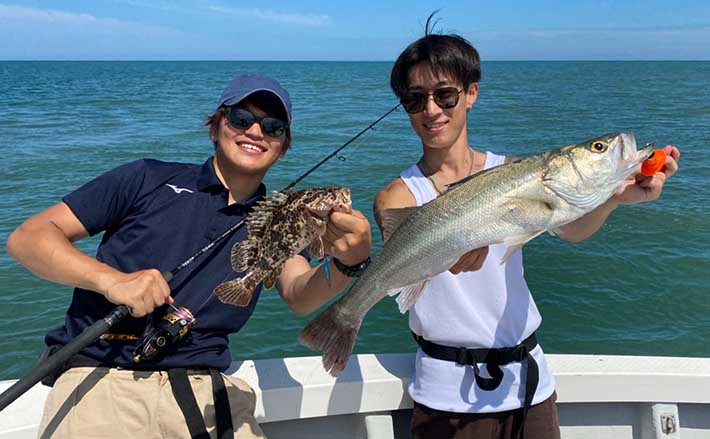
(589, 224)
(311, 289)
(46, 252)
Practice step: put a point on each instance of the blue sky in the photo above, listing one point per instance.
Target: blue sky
(333, 30)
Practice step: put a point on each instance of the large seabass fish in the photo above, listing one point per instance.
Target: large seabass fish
(509, 204)
(280, 227)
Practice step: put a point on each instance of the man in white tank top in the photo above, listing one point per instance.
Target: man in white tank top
(479, 370)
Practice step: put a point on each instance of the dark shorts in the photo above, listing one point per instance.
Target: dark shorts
(542, 423)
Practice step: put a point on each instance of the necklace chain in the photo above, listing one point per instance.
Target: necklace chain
(431, 178)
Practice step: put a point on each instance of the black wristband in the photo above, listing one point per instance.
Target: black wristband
(351, 270)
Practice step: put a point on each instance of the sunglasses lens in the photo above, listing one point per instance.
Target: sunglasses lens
(413, 102)
(243, 119)
(240, 118)
(273, 127)
(446, 97)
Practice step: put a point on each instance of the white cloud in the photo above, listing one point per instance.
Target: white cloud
(205, 7)
(78, 22)
(309, 20)
(168, 6)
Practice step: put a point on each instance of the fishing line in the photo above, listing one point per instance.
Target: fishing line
(334, 153)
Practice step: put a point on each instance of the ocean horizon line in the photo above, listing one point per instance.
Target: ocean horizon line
(343, 61)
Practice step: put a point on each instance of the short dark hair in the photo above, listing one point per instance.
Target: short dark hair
(442, 53)
(265, 101)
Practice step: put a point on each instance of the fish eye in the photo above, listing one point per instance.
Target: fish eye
(598, 146)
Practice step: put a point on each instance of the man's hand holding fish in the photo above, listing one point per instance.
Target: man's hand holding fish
(347, 238)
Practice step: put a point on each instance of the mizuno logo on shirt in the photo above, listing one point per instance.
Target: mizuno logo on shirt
(178, 189)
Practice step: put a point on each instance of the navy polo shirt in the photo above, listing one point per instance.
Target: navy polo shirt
(155, 215)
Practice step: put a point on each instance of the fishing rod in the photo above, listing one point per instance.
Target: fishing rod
(92, 333)
(334, 153)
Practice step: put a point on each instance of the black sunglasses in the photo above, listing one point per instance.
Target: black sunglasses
(243, 119)
(444, 97)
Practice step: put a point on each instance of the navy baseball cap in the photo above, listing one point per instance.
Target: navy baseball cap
(243, 86)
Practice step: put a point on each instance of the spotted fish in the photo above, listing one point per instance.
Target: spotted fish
(280, 227)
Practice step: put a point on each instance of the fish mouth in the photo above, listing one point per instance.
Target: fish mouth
(647, 151)
(630, 155)
(323, 210)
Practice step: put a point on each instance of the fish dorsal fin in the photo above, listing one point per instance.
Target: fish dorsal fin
(393, 218)
(515, 243)
(469, 177)
(459, 182)
(260, 217)
(409, 295)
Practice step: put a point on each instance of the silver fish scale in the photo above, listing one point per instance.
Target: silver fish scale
(467, 217)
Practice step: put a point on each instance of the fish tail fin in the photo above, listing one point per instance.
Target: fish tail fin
(409, 295)
(332, 335)
(239, 291)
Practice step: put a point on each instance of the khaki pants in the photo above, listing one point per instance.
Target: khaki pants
(88, 403)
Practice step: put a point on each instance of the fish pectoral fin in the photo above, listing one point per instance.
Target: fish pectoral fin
(315, 249)
(515, 243)
(531, 210)
(244, 255)
(393, 218)
(409, 295)
(270, 279)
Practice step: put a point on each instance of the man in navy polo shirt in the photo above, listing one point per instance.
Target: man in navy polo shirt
(154, 215)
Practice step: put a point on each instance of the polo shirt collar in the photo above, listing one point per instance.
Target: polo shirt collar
(207, 181)
(207, 178)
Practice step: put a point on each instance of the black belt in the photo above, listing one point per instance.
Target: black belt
(493, 358)
(184, 396)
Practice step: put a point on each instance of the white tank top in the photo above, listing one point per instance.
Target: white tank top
(491, 307)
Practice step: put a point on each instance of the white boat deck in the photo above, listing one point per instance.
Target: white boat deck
(598, 397)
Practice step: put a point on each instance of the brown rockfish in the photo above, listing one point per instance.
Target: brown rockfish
(280, 227)
(509, 204)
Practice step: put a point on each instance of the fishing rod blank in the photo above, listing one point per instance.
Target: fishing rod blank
(92, 333)
(87, 337)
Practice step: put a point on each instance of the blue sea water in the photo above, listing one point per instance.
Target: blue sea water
(641, 286)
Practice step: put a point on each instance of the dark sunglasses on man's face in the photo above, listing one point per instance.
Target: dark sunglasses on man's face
(243, 119)
(444, 97)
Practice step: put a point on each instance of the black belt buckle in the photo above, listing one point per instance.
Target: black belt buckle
(464, 357)
(520, 353)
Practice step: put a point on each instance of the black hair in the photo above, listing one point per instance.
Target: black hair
(442, 53)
